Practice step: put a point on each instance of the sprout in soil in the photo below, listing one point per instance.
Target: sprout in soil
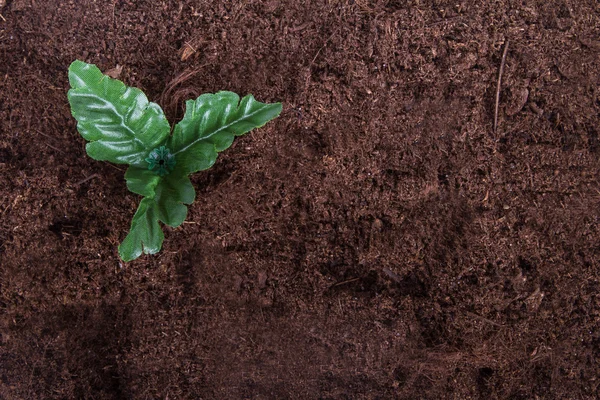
(123, 127)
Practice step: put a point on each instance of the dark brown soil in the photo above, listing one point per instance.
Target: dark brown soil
(377, 241)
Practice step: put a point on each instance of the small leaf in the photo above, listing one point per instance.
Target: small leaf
(118, 121)
(210, 124)
(141, 181)
(188, 50)
(145, 234)
(115, 72)
(172, 193)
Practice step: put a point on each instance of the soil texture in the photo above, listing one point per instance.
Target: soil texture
(379, 240)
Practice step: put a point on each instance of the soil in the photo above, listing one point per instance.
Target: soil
(379, 240)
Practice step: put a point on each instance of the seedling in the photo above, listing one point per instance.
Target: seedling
(123, 127)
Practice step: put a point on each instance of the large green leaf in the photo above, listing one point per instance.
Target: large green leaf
(210, 124)
(141, 181)
(145, 234)
(172, 194)
(118, 121)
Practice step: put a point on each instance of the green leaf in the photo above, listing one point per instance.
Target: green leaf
(118, 121)
(210, 124)
(145, 234)
(172, 193)
(141, 181)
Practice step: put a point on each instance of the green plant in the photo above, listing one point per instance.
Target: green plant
(123, 127)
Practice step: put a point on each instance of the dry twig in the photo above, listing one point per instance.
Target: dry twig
(499, 84)
(479, 317)
(317, 55)
(86, 179)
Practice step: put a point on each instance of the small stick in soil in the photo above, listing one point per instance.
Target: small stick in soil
(47, 144)
(54, 148)
(115, 167)
(499, 84)
(86, 179)
(317, 55)
(479, 317)
(347, 281)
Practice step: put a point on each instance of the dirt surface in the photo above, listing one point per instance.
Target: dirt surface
(379, 240)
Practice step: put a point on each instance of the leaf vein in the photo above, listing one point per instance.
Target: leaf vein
(109, 106)
(200, 139)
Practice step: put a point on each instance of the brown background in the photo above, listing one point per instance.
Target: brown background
(379, 240)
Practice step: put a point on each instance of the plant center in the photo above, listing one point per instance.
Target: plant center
(161, 161)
